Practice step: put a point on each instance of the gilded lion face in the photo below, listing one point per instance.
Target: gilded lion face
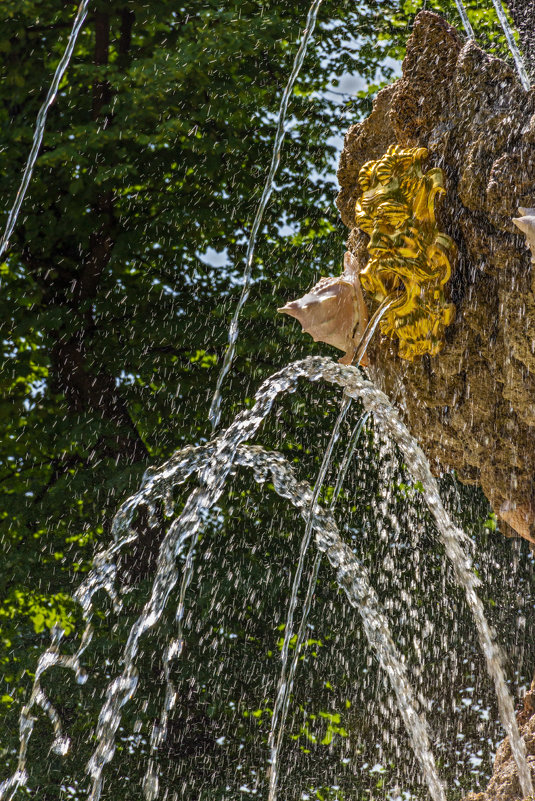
(408, 253)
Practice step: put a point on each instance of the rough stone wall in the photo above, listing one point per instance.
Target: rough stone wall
(472, 407)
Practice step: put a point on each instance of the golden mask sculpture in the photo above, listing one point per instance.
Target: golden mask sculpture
(408, 253)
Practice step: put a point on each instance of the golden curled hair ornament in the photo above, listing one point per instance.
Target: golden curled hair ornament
(409, 255)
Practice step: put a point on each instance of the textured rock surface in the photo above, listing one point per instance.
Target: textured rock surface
(472, 407)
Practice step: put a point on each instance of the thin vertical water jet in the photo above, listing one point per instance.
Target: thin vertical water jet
(79, 20)
(286, 684)
(348, 455)
(464, 18)
(215, 408)
(513, 47)
(282, 700)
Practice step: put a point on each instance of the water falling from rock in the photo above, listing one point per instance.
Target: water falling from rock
(513, 47)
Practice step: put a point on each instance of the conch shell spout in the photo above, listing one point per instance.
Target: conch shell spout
(334, 311)
(526, 223)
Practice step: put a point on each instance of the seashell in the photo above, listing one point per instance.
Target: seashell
(519, 518)
(334, 311)
(526, 223)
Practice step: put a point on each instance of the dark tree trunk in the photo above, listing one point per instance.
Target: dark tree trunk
(87, 385)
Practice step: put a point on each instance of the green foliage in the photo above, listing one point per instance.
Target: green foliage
(113, 323)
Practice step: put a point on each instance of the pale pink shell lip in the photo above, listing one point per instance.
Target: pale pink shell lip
(526, 224)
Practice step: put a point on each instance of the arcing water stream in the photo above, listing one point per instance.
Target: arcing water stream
(213, 464)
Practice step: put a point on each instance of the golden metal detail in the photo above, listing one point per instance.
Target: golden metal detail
(408, 253)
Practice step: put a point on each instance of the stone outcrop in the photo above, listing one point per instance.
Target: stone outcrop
(472, 407)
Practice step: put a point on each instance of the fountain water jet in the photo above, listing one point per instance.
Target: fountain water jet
(513, 47)
(215, 408)
(122, 689)
(213, 463)
(78, 23)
